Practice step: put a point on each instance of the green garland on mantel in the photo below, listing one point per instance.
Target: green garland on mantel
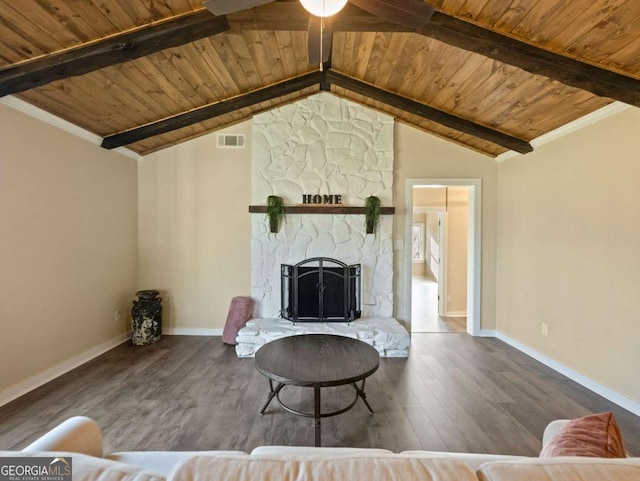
(275, 213)
(372, 216)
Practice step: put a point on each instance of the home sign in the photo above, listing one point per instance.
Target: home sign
(322, 199)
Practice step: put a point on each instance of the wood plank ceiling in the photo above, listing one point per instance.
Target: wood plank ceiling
(267, 45)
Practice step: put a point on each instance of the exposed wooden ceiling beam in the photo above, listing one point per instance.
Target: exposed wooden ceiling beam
(212, 110)
(573, 73)
(323, 79)
(109, 51)
(461, 34)
(429, 113)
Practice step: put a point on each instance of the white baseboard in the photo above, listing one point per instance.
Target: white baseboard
(485, 333)
(456, 314)
(34, 382)
(187, 331)
(605, 392)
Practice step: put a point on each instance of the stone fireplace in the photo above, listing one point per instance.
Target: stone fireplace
(316, 147)
(322, 145)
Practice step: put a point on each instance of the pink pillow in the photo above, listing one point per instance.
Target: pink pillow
(597, 436)
(240, 312)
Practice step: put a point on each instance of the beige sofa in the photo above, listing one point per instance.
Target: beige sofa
(80, 437)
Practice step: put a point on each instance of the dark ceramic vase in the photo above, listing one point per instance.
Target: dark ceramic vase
(147, 318)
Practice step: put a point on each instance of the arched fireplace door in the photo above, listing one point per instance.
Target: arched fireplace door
(320, 289)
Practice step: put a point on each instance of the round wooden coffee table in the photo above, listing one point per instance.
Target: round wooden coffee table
(317, 361)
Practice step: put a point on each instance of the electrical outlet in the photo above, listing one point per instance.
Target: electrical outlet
(545, 329)
(448, 297)
(118, 316)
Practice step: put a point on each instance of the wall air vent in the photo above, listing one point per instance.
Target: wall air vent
(232, 141)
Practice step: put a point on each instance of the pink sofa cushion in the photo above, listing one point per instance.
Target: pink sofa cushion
(240, 312)
(597, 436)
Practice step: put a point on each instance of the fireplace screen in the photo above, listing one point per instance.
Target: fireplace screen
(320, 289)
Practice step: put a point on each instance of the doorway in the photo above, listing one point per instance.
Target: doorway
(447, 300)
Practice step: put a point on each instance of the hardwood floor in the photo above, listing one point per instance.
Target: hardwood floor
(424, 309)
(454, 393)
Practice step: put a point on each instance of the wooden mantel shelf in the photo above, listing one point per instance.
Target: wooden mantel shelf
(320, 209)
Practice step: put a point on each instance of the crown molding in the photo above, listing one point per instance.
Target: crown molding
(596, 116)
(38, 113)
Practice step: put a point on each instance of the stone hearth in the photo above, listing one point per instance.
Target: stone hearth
(383, 333)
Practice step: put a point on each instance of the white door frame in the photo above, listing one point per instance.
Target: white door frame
(442, 264)
(474, 264)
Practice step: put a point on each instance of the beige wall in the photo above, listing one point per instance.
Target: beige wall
(569, 240)
(68, 257)
(419, 155)
(194, 230)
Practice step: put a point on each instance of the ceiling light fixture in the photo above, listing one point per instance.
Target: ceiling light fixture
(323, 8)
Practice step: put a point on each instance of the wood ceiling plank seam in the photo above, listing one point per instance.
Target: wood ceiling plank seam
(488, 78)
(17, 24)
(174, 77)
(454, 6)
(300, 54)
(627, 44)
(492, 12)
(571, 20)
(440, 79)
(140, 14)
(472, 8)
(428, 64)
(363, 55)
(40, 18)
(13, 48)
(608, 28)
(285, 47)
(440, 116)
(342, 41)
(115, 14)
(514, 13)
(530, 26)
(141, 86)
(95, 17)
(411, 60)
(82, 30)
(213, 81)
(378, 50)
(160, 9)
(257, 50)
(539, 90)
(446, 95)
(224, 66)
(394, 59)
(191, 78)
(114, 100)
(627, 59)
(480, 101)
(158, 86)
(124, 104)
(272, 53)
(210, 111)
(580, 22)
(163, 85)
(240, 49)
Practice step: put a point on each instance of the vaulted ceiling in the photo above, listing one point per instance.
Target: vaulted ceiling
(490, 75)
